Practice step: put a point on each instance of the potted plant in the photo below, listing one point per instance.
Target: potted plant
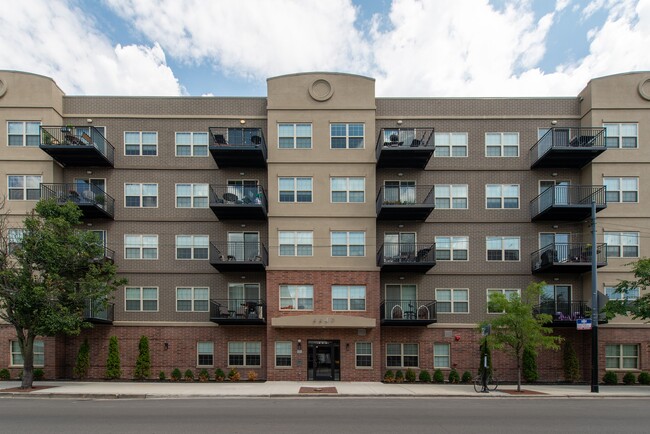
(67, 128)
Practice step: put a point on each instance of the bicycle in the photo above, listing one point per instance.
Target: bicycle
(492, 383)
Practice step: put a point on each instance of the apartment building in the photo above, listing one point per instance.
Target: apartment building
(322, 233)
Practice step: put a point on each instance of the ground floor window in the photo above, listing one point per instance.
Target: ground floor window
(441, 356)
(402, 355)
(363, 354)
(205, 353)
(17, 356)
(245, 354)
(622, 356)
(282, 354)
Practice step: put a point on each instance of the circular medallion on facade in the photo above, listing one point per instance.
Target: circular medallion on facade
(3, 88)
(644, 89)
(321, 90)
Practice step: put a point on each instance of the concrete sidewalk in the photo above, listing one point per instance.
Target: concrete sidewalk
(156, 390)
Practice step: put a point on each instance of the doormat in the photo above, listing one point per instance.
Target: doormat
(523, 392)
(317, 390)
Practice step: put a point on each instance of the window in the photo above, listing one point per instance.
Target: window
(192, 299)
(24, 187)
(402, 355)
(17, 356)
(346, 136)
(621, 135)
(246, 354)
(441, 356)
(139, 299)
(507, 292)
(501, 144)
(140, 143)
(399, 192)
(296, 243)
(140, 246)
(622, 244)
(191, 144)
(205, 353)
(192, 246)
(451, 196)
(451, 145)
(452, 300)
(23, 133)
(363, 354)
(348, 189)
(502, 248)
(282, 354)
(624, 189)
(622, 356)
(296, 297)
(141, 195)
(452, 248)
(632, 294)
(295, 189)
(501, 196)
(348, 297)
(296, 136)
(191, 195)
(14, 239)
(348, 243)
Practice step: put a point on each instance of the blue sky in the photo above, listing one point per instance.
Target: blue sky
(411, 47)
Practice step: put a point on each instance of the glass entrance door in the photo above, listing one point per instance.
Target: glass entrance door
(560, 242)
(324, 360)
(556, 300)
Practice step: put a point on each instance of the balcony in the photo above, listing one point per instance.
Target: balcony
(406, 257)
(238, 202)
(567, 203)
(404, 147)
(565, 314)
(109, 255)
(238, 312)
(92, 200)
(77, 146)
(239, 256)
(99, 312)
(567, 147)
(238, 147)
(567, 258)
(405, 203)
(407, 312)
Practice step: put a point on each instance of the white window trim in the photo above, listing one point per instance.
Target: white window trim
(402, 355)
(452, 197)
(621, 357)
(502, 291)
(192, 247)
(294, 301)
(295, 245)
(295, 136)
(501, 145)
(453, 311)
(451, 248)
(349, 299)
(191, 145)
(620, 142)
(449, 364)
(141, 247)
(198, 365)
(24, 145)
(502, 197)
(356, 354)
(620, 190)
(193, 299)
(503, 250)
(11, 354)
(141, 288)
(347, 135)
(347, 244)
(623, 297)
(141, 184)
(451, 147)
(295, 189)
(244, 354)
(191, 184)
(24, 188)
(275, 355)
(347, 189)
(140, 144)
(621, 245)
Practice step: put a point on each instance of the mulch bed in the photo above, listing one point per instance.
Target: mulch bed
(18, 389)
(317, 390)
(523, 392)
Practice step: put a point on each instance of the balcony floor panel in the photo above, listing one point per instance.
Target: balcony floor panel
(79, 156)
(571, 213)
(415, 267)
(565, 268)
(237, 266)
(238, 321)
(407, 322)
(237, 156)
(405, 212)
(574, 158)
(404, 158)
(238, 211)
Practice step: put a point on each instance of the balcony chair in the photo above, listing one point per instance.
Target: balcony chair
(219, 139)
(396, 312)
(423, 312)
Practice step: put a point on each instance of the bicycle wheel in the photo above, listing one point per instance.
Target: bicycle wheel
(478, 385)
(493, 383)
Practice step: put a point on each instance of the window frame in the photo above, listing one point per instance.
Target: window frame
(25, 189)
(451, 146)
(451, 196)
(609, 235)
(349, 299)
(13, 353)
(24, 134)
(192, 145)
(501, 144)
(610, 292)
(503, 249)
(347, 244)
(619, 137)
(620, 190)
(295, 300)
(141, 194)
(245, 354)
(193, 247)
(620, 357)
(295, 191)
(192, 197)
(502, 197)
(193, 298)
(504, 291)
(347, 135)
(347, 190)
(296, 246)
(285, 355)
(140, 144)
(204, 354)
(14, 239)
(452, 250)
(402, 355)
(141, 246)
(295, 135)
(453, 302)
(141, 299)
(363, 354)
(447, 356)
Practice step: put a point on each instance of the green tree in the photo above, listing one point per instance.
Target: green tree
(47, 280)
(519, 327)
(639, 308)
(83, 361)
(570, 363)
(113, 365)
(143, 363)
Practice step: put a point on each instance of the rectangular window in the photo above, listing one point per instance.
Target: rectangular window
(296, 297)
(612, 294)
(452, 248)
(622, 356)
(192, 299)
(23, 133)
(451, 196)
(295, 189)
(450, 300)
(246, 354)
(351, 297)
(622, 189)
(348, 243)
(501, 144)
(140, 246)
(17, 356)
(24, 187)
(507, 292)
(282, 354)
(191, 144)
(294, 136)
(348, 189)
(622, 244)
(402, 355)
(141, 143)
(622, 135)
(346, 136)
(191, 195)
(296, 243)
(14, 239)
(141, 195)
(451, 145)
(363, 354)
(501, 196)
(205, 354)
(140, 299)
(502, 248)
(441, 356)
(192, 246)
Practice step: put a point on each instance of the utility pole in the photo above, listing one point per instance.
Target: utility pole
(594, 302)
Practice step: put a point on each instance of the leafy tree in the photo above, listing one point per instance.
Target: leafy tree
(639, 308)
(143, 363)
(47, 280)
(570, 363)
(83, 361)
(519, 327)
(530, 365)
(113, 365)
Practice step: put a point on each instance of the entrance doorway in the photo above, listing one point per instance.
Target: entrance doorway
(324, 360)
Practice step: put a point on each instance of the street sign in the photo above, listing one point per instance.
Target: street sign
(583, 324)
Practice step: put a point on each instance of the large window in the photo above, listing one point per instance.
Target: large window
(141, 299)
(449, 300)
(296, 243)
(348, 243)
(17, 356)
(452, 248)
(191, 144)
(23, 133)
(282, 354)
(631, 294)
(441, 356)
(501, 196)
(141, 195)
(245, 354)
(296, 297)
(346, 136)
(192, 299)
(24, 187)
(295, 189)
(451, 145)
(296, 136)
(348, 189)
(351, 297)
(191, 195)
(451, 196)
(622, 244)
(622, 135)
(622, 356)
(140, 143)
(205, 354)
(501, 144)
(502, 248)
(140, 246)
(192, 246)
(402, 355)
(622, 189)
(363, 354)
(509, 293)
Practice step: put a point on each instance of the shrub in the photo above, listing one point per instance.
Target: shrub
(389, 377)
(425, 377)
(438, 377)
(143, 362)
(204, 375)
(20, 375)
(454, 378)
(467, 377)
(4, 375)
(233, 375)
(529, 368)
(570, 363)
(113, 368)
(629, 378)
(176, 374)
(39, 374)
(644, 378)
(410, 376)
(610, 378)
(83, 361)
(252, 375)
(189, 375)
(399, 376)
(161, 376)
(219, 375)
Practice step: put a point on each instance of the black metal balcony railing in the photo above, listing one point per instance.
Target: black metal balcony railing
(408, 312)
(238, 202)
(406, 257)
(238, 311)
(239, 256)
(567, 257)
(563, 311)
(404, 147)
(109, 254)
(77, 145)
(93, 201)
(405, 202)
(99, 312)
(568, 147)
(238, 147)
(567, 202)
